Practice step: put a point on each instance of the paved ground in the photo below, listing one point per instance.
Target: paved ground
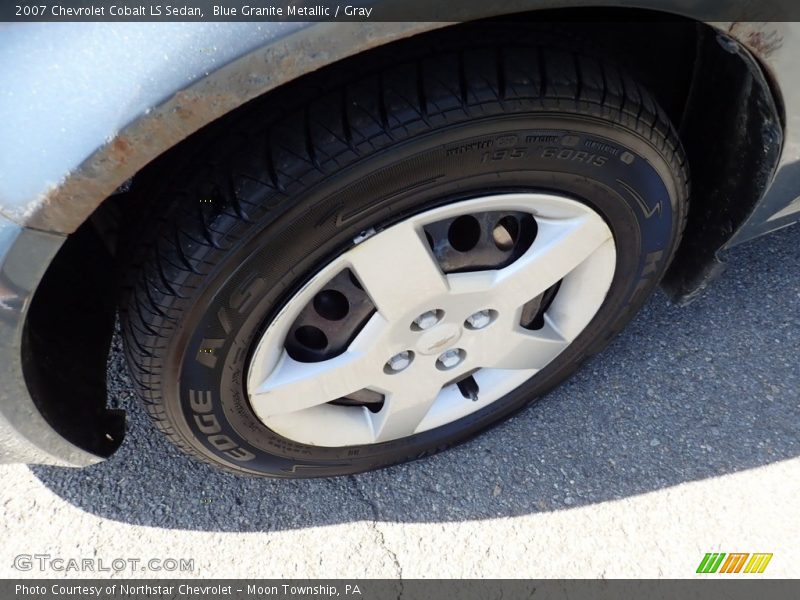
(683, 438)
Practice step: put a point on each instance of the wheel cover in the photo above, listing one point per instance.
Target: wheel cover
(437, 346)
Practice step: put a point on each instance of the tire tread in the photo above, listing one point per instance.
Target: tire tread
(266, 164)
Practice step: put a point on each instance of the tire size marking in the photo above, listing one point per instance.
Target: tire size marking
(566, 154)
(569, 154)
(504, 154)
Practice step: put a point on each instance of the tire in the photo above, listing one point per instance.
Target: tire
(246, 220)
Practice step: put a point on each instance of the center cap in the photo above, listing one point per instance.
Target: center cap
(439, 338)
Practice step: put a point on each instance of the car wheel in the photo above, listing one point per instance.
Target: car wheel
(401, 262)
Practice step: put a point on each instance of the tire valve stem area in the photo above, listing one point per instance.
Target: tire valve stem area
(468, 388)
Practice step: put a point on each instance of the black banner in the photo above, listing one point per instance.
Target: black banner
(415, 589)
(372, 10)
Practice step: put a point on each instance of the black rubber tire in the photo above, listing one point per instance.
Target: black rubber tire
(275, 194)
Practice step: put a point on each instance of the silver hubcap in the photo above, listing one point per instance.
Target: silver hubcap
(437, 346)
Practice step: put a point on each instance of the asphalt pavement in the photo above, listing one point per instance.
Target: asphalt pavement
(682, 438)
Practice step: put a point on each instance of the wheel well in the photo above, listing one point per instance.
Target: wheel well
(711, 89)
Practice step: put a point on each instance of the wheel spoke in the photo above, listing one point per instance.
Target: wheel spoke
(293, 386)
(397, 269)
(560, 246)
(523, 349)
(583, 291)
(406, 406)
(343, 425)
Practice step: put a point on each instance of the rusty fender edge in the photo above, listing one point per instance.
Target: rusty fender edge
(25, 436)
(256, 62)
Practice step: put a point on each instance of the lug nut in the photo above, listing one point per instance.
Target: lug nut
(450, 359)
(479, 320)
(428, 319)
(399, 362)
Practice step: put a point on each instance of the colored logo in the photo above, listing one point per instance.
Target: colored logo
(735, 562)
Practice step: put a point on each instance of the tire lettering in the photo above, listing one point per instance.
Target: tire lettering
(574, 155)
(222, 442)
(240, 454)
(503, 154)
(239, 301)
(651, 262)
(207, 424)
(201, 403)
(463, 149)
(207, 355)
(224, 320)
(242, 297)
(541, 139)
(506, 140)
(650, 267)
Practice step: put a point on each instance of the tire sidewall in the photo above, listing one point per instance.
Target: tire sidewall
(618, 172)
